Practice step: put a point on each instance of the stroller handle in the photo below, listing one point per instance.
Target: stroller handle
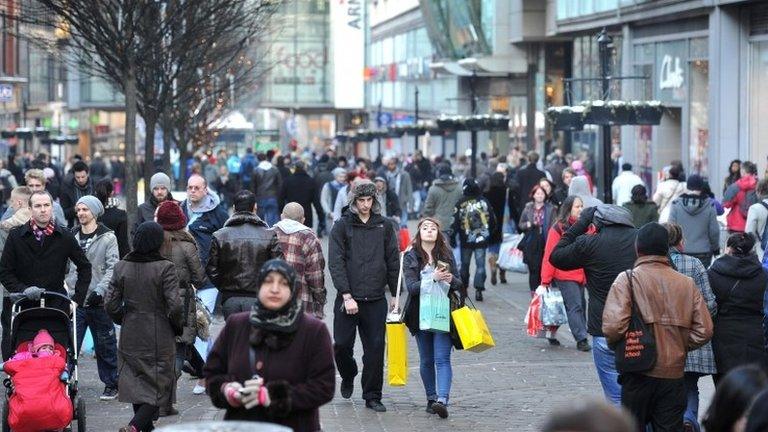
(17, 298)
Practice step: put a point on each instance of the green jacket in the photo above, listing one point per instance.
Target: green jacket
(643, 213)
(442, 198)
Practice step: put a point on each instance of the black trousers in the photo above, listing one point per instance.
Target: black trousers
(370, 321)
(144, 416)
(656, 401)
(5, 321)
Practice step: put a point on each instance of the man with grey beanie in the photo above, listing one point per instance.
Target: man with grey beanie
(100, 247)
(160, 185)
(363, 259)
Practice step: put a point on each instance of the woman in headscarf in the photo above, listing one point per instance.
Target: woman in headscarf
(274, 364)
(180, 248)
(144, 299)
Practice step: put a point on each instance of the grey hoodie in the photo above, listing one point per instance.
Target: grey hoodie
(698, 219)
(103, 254)
(580, 187)
(610, 214)
(441, 200)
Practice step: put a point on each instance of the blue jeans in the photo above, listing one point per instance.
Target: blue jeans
(104, 341)
(605, 363)
(208, 297)
(268, 210)
(466, 256)
(435, 355)
(692, 394)
(404, 218)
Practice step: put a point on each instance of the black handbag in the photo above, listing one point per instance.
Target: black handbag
(636, 352)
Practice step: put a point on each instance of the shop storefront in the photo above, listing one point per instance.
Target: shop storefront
(677, 67)
(758, 88)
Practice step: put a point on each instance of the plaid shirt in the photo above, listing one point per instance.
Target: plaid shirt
(302, 250)
(701, 360)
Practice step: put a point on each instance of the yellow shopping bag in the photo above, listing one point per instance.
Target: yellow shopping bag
(397, 354)
(473, 331)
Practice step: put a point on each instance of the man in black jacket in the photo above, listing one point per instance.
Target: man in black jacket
(603, 256)
(237, 253)
(301, 188)
(527, 178)
(80, 186)
(160, 185)
(35, 260)
(363, 258)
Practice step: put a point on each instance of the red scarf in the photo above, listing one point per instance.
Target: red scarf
(39, 233)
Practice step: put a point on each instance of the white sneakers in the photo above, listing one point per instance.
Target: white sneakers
(198, 390)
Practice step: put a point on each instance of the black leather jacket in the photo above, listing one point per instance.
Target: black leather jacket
(237, 253)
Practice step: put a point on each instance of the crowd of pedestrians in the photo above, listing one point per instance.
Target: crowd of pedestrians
(246, 243)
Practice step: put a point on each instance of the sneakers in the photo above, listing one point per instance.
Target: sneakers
(583, 345)
(478, 295)
(440, 409)
(198, 390)
(129, 428)
(377, 406)
(110, 393)
(553, 341)
(347, 386)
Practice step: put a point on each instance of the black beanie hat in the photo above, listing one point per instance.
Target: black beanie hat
(695, 183)
(652, 239)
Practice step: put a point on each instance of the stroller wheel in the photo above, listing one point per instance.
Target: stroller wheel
(80, 415)
(6, 426)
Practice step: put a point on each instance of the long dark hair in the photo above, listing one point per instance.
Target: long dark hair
(639, 194)
(441, 250)
(733, 396)
(565, 210)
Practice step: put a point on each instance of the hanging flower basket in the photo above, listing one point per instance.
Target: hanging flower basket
(646, 113)
(606, 113)
(476, 122)
(24, 133)
(395, 131)
(7, 134)
(566, 118)
(341, 137)
(377, 133)
(452, 123)
(42, 132)
(497, 122)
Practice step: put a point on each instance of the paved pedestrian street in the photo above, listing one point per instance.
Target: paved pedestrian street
(511, 387)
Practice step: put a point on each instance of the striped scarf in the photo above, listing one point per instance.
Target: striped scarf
(42, 232)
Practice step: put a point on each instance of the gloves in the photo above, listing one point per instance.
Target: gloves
(254, 393)
(231, 393)
(94, 299)
(33, 292)
(581, 225)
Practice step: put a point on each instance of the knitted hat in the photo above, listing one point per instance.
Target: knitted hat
(695, 183)
(363, 188)
(652, 239)
(338, 172)
(160, 179)
(42, 339)
(93, 204)
(148, 238)
(170, 216)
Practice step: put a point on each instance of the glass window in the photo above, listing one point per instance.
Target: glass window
(758, 109)
(388, 51)
(400, 48)
(699, 112)
(699, 48)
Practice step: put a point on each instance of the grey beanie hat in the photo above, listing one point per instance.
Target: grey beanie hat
(338, 171)
(160, 179)
(93, 204)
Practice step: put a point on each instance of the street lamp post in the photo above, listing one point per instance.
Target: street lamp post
(604, 41)
(473, 132)
(416, 121)
(378, 125)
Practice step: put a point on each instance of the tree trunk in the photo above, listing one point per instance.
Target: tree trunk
(150, 120)
(183, 146)
(167, 144)
(131, 202)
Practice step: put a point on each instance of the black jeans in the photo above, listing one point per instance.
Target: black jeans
(144, 416)
(370, 321)
(104, 341)
(5, 320)
(656, 401)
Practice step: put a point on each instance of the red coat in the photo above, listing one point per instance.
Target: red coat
(550, 272)
(735, 220)
(39, 400)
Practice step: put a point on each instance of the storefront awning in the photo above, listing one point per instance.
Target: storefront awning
(449, 68)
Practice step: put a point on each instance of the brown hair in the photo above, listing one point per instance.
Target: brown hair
(441, 250)
(675, 232)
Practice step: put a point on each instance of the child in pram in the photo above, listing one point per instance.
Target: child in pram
(39, 375)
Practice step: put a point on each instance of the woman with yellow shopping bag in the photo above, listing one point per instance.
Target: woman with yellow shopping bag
(429, 265)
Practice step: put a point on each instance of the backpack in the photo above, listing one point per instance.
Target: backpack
(475, 219)
(750, 197)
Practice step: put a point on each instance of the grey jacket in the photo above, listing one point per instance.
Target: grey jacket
(441, 200)
(103, 254)
(698, 219)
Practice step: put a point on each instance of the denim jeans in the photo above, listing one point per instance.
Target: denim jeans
(268, 210)
(692, 395)
(104, 341)
(605, 363)
(466, 256)
(208, 297)
(575, 307)
(404, 218)
(435, 356)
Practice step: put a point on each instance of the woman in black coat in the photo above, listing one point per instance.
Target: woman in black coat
(114, 217)
(739, 282)
(497, 197)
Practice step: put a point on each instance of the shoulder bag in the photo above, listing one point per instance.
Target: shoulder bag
(636, 352)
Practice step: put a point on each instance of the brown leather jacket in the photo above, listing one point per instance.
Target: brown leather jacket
(667, 300)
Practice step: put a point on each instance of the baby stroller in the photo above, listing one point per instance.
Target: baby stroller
(56, 313)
